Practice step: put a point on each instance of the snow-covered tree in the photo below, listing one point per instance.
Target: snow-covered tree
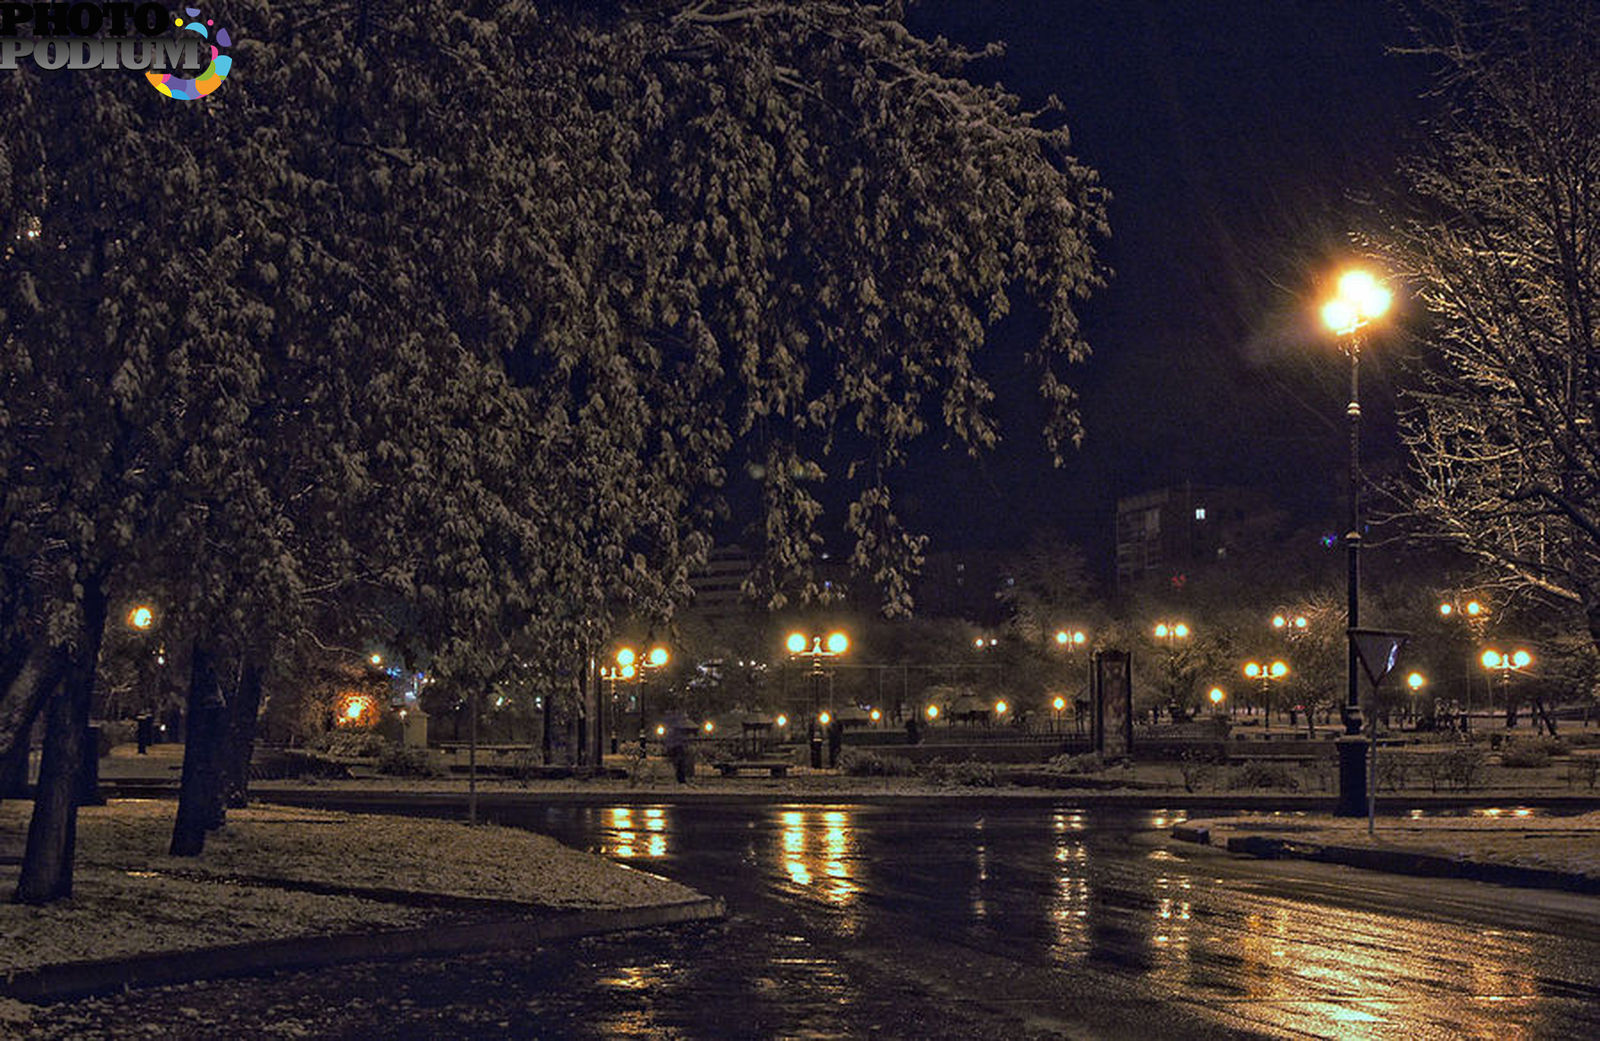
(1503, 250)
(471, 314)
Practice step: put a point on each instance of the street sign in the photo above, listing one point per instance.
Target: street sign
(1379, 650)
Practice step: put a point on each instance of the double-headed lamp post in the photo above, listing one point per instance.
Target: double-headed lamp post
(816, 647)
(1361, 300)
(1505, 664)
(1476, 616)
(1170, 633)
(1266, 673)
(630, 666)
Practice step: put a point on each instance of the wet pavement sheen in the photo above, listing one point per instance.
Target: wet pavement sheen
(958, 920)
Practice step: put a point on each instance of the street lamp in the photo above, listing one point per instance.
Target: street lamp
(141, 617)
(1288, 623)
(632, 667)
(1415, 682)
(1266, 673)
(1072, 641)
(1171, 633)
(1505, 665)
(1217, 695)
(1476, 616)
(816, 647)
(1361, 300)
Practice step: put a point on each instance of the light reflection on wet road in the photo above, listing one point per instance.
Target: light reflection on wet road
(951, 920)
(1069, 920)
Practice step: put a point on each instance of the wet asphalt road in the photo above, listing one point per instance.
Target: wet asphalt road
(955, 920)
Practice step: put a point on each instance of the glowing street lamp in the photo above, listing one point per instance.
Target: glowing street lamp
(1505, 664)
(141, 617)
(1171, 633)
(1476, 615)
(1266, 673)
(630, 666)
(1289, 623)
(1217, 695)
(817, 647)
(1361, 300)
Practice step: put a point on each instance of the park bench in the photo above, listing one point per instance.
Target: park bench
(776, 767)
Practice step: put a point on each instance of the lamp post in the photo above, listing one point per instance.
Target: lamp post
(1414, 683)
(624, 670)
(1505, 665)
(1266, 673)
(1073, 640)
(1361, 300)
(632, 667)
(1218, 696)
(1476, 616)
(816, 647)
(1171, 633)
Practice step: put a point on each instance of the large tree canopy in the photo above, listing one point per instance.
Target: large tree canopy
(1503, 249)
(482, 309)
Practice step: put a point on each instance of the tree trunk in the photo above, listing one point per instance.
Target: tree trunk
(241, 733)
(580, 744)
(20, 704)
(547, 733)
(53, 832)
(199, 793)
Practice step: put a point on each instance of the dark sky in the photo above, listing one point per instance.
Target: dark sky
(1238, 139)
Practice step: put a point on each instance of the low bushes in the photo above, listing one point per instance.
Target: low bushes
(407, 762)
(1087, 763)
(1530, 754)
(349, 743)
(968, 774)
(858, 762)
(1264, 775)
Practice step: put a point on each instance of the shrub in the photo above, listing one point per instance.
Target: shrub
(407, 762)
(1196, 768)
(1264, 775)
(1087, 763)
(349, 743)
(1432, 768)
(1524, 755)
(1392, 771)
(969, 774)
(858, 762)
(1463, 764)
(1585, 768)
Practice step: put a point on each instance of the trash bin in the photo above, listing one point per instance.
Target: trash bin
(146, 732)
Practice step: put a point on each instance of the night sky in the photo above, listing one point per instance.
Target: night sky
(1238, 140)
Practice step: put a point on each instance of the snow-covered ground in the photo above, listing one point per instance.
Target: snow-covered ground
(1519, 837)
(130, 897)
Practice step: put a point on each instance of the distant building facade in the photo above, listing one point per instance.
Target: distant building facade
(717, 584)
(1165, 533)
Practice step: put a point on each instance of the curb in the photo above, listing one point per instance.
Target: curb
(52, 983)
(1424, 865)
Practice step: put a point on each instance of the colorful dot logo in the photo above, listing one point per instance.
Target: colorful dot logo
(207, 81)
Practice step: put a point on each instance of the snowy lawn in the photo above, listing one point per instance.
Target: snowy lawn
(125, 902)
(1521, 838)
